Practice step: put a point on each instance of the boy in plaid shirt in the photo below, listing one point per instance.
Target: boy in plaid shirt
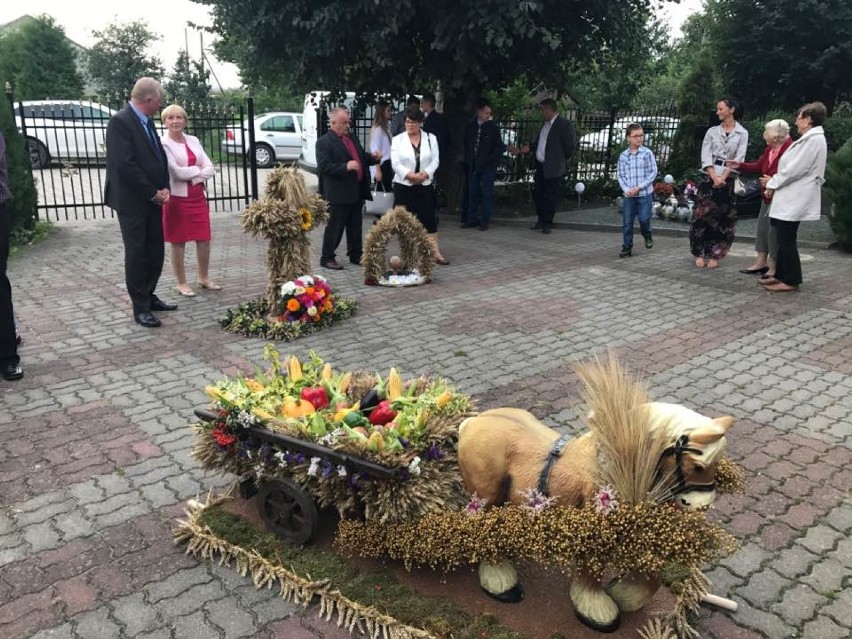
(637, 169)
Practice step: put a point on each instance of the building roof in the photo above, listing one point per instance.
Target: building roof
(18, 23)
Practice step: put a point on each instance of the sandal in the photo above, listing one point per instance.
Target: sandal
(209, 285)
(186, 292)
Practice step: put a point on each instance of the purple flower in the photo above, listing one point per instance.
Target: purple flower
(404, 442)
(327, 468)
(298, 458)
(433, 453)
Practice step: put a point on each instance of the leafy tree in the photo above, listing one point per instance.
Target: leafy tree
(187, 83)
(119, 57)
(24, 198)
(415, 45)
(838, 187)
(784, 53)
(695, 106)
(39, 61)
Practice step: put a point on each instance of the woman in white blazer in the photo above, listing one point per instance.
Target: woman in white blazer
(186, 215)
(796, 192)
(415, 158)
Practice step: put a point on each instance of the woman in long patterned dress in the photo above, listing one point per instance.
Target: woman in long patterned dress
(714, 217)
(186, 215)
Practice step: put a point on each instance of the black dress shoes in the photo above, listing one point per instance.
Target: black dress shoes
(332, 264)
(754, 271)
(355, 262)
(11, 372)
(536, 226)
(159, 305)
(147, 320)
(469, 225)
(546, 230)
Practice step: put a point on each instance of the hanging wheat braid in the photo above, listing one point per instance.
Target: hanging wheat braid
(284, 216)
(414, 246)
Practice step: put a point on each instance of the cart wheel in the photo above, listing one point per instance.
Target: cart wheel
(287, 510)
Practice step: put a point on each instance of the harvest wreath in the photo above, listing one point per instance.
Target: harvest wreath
(416, 257)
(405, 430)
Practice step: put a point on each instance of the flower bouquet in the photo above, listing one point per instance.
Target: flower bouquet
(304, 305)
(407, 427)
(306, 299)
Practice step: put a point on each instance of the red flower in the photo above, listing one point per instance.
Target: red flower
(222, 436)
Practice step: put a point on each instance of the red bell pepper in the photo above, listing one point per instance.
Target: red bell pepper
(382, 414)
(316, 396)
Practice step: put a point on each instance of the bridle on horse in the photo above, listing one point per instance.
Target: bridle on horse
(555, 454)
(680, 447)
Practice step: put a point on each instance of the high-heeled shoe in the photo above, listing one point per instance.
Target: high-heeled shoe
(209, 285)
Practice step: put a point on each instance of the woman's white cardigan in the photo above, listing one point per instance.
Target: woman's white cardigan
(797, 187)
(402, 157)
(181, 175)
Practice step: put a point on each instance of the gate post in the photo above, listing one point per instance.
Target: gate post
(252, 158)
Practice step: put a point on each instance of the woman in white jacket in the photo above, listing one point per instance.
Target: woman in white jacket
(186, 215)
(415, 158)
(796, 194)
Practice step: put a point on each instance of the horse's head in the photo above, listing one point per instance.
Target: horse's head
(695, 445)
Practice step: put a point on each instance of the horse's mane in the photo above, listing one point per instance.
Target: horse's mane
(629, 447)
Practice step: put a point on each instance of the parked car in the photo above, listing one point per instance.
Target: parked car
(63, 130)
(277, 137)
(659, 131)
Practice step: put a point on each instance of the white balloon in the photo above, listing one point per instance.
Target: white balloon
(668, 179)
(579, 187)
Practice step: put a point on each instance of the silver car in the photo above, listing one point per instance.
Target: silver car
(57, 130)
(277, 137)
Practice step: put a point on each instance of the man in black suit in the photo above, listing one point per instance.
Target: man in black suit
(552, 149)
(436, 124)
(483, 147)
(137, 186)
(342, 164)
(397, 123)
(10, 363)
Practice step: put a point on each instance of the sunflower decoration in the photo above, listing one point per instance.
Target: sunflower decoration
(307, 219)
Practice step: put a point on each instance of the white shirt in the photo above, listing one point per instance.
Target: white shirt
(379, 141)
(404, 162)
(542, 139)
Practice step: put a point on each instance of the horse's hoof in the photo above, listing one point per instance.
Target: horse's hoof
(514, 594)
(597, 626)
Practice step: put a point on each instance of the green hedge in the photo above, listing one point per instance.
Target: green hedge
(837, 131)
(24, 198)
(838, 188)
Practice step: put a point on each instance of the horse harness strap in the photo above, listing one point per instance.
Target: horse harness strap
(678, 449)
(555, 454)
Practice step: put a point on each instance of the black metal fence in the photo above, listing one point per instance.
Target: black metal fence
(600, 139)
(66, 144)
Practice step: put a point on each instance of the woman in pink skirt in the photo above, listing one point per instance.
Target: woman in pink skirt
(186, 215)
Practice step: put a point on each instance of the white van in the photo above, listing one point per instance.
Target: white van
(308, 157)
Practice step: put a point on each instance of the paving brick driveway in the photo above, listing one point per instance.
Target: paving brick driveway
(94, 453)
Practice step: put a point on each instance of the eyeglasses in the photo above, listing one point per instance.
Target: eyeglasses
(411, 122)
(638, 135)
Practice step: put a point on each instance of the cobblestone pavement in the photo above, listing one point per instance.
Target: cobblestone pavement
(94, 454)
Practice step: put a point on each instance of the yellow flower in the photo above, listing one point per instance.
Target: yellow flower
(307, 219)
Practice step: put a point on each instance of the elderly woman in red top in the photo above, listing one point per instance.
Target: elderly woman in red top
(186, 216)
(777, 136)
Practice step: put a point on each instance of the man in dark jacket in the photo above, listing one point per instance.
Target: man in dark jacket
(10, 363)
(483, 148)
(342, 164)
(552, 149)
(137, 186)
(397, 123)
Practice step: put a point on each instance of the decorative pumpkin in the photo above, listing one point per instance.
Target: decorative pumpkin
(297, 408)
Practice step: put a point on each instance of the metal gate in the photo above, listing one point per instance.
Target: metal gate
(66, 144)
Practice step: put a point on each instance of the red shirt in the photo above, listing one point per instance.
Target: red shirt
(763, 166)
(353, 153)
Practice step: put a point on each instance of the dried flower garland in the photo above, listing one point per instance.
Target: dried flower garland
(415, 250)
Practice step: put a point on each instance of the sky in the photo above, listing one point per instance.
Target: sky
(169, 18)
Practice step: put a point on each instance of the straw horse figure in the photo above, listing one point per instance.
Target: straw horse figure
(646, 451)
